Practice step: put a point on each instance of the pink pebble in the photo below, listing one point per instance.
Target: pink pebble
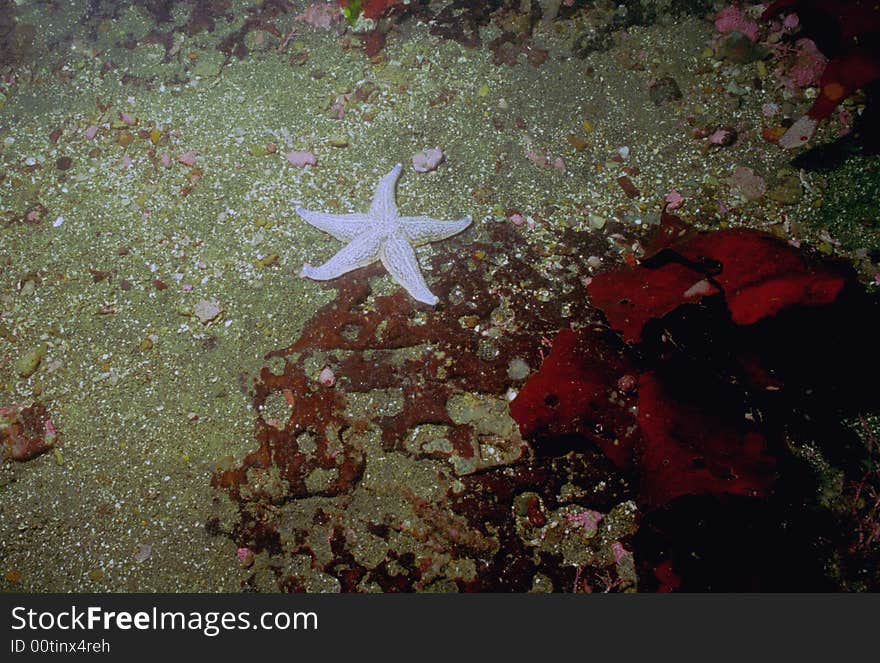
(243, 553)
(125, 117)
(559, 164)
(188, 158)
(791, 21)
(770, 109)
(301, 159)
(427, 160)
(187, 287)
(719, 136)
(91, 132)
(166, 160)
(517, 219)
(626, 383)
(538, 159)
(327, 378)
(673, 199)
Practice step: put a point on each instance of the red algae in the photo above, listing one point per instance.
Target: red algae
(26, 432)
(757, 274)
(741, 346)
(449, 375)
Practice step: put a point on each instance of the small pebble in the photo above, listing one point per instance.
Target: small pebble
(187, 158)
(29, 362)
(143, 553)
(664, 90)
(327, 378)
(206, 311)
(427, 160)
(301, 159)
(518, 369)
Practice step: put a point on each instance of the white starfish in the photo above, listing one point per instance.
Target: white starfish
(381, 234)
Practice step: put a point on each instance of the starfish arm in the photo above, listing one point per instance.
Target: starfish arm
(400, 260)
(360, 252)
(384, 205)
(424, 229)
(344, 227)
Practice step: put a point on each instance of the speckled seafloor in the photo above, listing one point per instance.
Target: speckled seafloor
(109, 271)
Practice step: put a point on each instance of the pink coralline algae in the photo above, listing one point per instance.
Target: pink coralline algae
(809, 64)
(301, 159)
(588, 520)
(731, 19)
(619, 552)
(791, 21)
(321, 15)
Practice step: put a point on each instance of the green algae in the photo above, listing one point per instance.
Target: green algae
(850, 212)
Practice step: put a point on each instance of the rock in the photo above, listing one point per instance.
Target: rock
(738, 48)
(577, 142)
(664, 90)
(208, 64)
(29, 362)
(301, 159)
(188, 158)
(207, 311)
(786, 190)
(427, 160)
(747, 183)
